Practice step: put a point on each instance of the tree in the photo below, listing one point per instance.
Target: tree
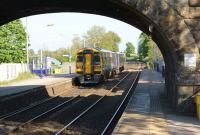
(57, 54)
(94, 36)
(98, 37)
(130, 49)
(145, 49)
(31, 54)
(144, 46)
(76, 45)
(12, 42)
(110, 41)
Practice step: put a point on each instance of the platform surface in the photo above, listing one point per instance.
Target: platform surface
(144, 114)
(29, 84)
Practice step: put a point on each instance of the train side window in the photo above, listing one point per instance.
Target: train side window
(79, 58)
(97, 59)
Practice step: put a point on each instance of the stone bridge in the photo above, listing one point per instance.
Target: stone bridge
(173, 24)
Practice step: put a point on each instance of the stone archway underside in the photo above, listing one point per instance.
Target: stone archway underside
(173, 28)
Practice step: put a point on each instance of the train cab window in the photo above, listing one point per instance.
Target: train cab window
(79, 58)
(96, 59)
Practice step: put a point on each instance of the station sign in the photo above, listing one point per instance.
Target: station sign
(190, 60)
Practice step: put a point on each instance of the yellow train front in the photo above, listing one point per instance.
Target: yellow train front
(94, 65)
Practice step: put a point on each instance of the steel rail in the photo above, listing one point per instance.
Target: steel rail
(29, 107)
(45, 113)
(40, 115)
(119, 107)
(90, 107)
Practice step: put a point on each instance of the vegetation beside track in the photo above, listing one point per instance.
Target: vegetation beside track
(21, 76)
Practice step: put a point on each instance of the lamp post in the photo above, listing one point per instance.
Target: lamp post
(27, 43)
(41, 63)
(41, 55)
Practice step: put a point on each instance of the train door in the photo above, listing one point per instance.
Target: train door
(97, 63)
(79, 63)
(88, 63)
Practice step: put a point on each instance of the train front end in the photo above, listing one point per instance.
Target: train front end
(88, 66)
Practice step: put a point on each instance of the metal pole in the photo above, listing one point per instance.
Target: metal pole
(70, 56)
(84, 43)
(41, 63)
(27, 42)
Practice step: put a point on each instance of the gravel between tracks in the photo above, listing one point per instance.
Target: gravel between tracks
(95, 120)
(54, 119)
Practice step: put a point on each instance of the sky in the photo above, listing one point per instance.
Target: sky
(56, 30)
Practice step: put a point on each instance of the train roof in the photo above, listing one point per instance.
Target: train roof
(88, 48)
(97, 50)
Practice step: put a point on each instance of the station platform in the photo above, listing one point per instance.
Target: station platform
(146, 115)
(33, 83)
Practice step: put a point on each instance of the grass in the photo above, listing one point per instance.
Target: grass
(21, 76)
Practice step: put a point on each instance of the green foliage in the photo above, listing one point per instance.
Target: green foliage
(110, 41)
(130, 49)
(12, 42)
(57, 54)
(145, 49)
(98, 37)
(94, 35)
(31, 54)
(144, 46)
(76, 45)
(132, 58)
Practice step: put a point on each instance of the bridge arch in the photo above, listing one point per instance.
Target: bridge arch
(168, 28)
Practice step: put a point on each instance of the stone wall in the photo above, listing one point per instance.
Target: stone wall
(179, 21)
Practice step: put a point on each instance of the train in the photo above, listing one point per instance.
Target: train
(94, 65)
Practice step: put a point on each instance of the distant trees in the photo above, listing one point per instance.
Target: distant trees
(96, 36)
(110, 41)
(12, 42)
(57, 54)
(130, 49)
(76, 45)
(31, 54)
(144, 46)
(145, 49)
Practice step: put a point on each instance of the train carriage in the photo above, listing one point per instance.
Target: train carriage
(94, 65)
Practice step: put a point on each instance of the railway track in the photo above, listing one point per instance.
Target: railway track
(89, 108)
(17, 102)
(15, 126)
(76, 112)
(109, 127)
(35, 111)
(94, 119)
(32, 105)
